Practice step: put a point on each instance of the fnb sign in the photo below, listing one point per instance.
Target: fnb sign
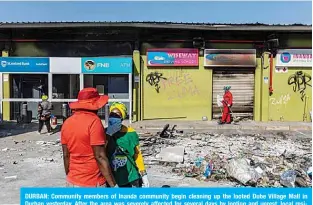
(103, 65)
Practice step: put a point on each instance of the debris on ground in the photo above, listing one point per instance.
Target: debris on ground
(250, 160)
(288, 178)
(309, 172)
(172, 154)
(10, 177)
(169, 133)
(241, 170)
(47, 143)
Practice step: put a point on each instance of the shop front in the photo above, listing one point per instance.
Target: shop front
(174, 85)
(24, 81)
(291, 98)
(111, 76)
(236, 68)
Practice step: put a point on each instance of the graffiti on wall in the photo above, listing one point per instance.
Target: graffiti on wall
(282, 100)
(175, 85)
(154, 79)
(299, 81)
(178, 85)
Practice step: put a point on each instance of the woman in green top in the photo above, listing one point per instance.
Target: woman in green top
(123, 150)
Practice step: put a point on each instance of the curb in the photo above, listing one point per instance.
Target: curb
(234, 127)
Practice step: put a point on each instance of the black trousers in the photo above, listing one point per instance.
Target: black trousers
(46, 122)
(135, 184)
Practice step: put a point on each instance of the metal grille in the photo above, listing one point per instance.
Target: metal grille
(242, 88)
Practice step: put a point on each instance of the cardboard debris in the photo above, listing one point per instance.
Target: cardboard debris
(172, 154)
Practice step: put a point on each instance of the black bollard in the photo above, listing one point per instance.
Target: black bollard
(65, 111)
(24, 113)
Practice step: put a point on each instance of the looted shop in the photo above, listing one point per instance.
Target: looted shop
(236, 68)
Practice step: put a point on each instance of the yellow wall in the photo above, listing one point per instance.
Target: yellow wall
(184, 93)
(285, 104)
(6, 92)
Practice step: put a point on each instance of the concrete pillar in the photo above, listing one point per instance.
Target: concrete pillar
(6, 91)
(136, 108)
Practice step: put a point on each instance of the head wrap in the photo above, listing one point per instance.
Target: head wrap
(227, 87)
(44, 97)
(121, 107)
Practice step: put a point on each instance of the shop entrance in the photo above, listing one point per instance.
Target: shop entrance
(23, 88)
(241, 81)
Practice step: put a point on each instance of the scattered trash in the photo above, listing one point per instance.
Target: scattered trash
(47, 143)
(241, 170)
(309, 172)
(41, 142)
(259, 170)
(15, 162)
(11, 177)
(5, 149)
(208, 170)
(172, 154)
(169, 133)
(288, 178)
(48, 159)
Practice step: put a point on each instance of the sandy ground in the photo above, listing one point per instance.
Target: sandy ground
(29, 163)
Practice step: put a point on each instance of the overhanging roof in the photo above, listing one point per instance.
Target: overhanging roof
(162, 25)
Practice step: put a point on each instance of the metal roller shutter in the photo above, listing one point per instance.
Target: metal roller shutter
(242, 88)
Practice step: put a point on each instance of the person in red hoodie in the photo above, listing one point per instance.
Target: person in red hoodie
(227, 103)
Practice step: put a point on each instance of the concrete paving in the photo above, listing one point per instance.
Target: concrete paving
(26, 163)
(212, 125)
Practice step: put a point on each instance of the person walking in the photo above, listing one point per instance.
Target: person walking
(123, 150)
(83, 142)
(227, 104)
(44, 114)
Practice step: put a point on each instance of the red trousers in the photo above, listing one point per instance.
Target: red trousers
(226, 114)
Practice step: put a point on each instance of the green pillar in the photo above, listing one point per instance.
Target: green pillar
(265, 87)
(136, 87)
(258, 79)
(6, 91)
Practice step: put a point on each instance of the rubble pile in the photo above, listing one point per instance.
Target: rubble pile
(248, 160)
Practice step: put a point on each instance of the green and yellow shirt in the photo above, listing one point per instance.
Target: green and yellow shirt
(125, 168)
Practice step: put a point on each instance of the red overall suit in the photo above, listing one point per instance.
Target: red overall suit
(227, 100)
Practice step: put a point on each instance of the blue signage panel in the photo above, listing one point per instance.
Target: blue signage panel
(170, 196)
(107, 65)
(24, 65)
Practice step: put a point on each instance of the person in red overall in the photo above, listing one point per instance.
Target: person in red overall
(227, 103)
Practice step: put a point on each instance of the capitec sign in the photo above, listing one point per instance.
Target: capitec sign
(230, 58)
(24, 65)
(107, 65)
(294, 58)
(173, 57)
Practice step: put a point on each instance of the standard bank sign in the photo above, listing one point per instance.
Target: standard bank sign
(24, 65)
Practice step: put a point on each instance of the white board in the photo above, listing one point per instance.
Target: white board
(65, 65)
